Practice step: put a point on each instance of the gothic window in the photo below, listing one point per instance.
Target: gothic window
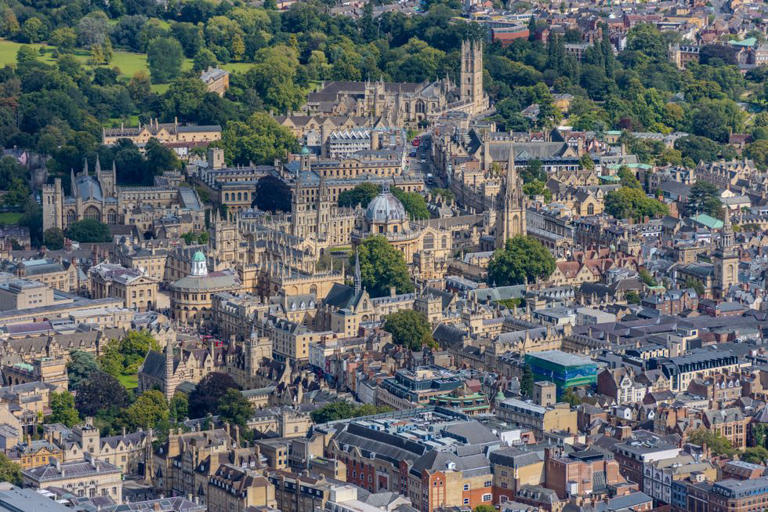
(445, 242)
(71, 217)
(420, 109)
(590, 209)
(429, 242)
(92, 213)
(112, 217)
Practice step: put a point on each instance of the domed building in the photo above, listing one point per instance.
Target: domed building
(386, 214)
(192, 296)
(424, 246)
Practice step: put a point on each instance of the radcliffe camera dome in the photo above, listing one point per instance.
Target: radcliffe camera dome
(385, 207)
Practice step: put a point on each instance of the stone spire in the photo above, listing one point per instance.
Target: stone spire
(727, 237)
(358, 278)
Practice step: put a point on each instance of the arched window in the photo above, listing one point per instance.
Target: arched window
(92, 213)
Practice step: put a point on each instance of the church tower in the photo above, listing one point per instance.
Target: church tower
(324, 205)
(472, 75)
(53, 210)
(510, 219)
(726, 259)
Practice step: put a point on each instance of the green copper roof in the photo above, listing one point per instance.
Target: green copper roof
(199, 256)
(708, 221)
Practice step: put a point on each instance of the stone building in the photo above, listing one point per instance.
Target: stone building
(234, 489)
(138, 291)
(98, 197)
(407, 103)
(179, 137)
(192, 296)
(86, 478)
(216, 80)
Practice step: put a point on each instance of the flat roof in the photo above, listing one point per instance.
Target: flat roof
(561, 358)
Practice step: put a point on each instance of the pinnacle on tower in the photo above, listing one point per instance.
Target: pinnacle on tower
(358, 278)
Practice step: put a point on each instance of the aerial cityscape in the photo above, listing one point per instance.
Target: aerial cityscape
(383, 256)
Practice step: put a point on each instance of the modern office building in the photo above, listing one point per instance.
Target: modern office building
(565, 370)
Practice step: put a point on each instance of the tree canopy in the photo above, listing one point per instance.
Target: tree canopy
(99, 392)
(360, 195)
(89, 230)
(627, 202)
(206, 396)
(382, 267)
(410, 329)
(522, 259)
(341, 410)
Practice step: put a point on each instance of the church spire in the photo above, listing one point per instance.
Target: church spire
(85, 167)
(98, 166)
(358, 278)
(726, 236)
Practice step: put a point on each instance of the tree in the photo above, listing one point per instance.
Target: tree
(633, 203)
(410, 329)
(382, 267)
(341, 410)
(760, 434)
(148, 411)
(205, 397)
(526, 382)
(260, 140)
(360, 195)
(89, 230)
(9, 470)
(413, 202)
(704, 197)
(272, 195)
(755, 455)
(63, 409)
(160, 158)
(716, 442)
(93, 29)
(534, 171)
(570, 397)
(697, 149)
(63, 38)
(125, 356)
(179, 407)
(586, 162)
(53, 238)
(234, 408)
(33, 30)
(204, 59)
(100, 391)
(758, 151)
(164, 56)
(646, 278)
(523, 259)
(80, 367)
(628, 178)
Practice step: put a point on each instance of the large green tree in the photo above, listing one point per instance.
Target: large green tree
(100, 392)
(89, 230)
(632, 203)
(63, 409)
(260, 140)
(165, 57)
(410, 329)
(148, 411)
(704, 197)
(9, 470)
(382, 267)
(360, 195)
(234, 408)
(125, 356)
(205, 397)
(522, 259)
(80, 367)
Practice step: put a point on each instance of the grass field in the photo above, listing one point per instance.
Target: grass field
(10, 218)
(129, 381)
(128, 62)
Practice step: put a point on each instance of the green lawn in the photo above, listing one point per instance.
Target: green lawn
(10, 218)
(129, 381)
(128, 62)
